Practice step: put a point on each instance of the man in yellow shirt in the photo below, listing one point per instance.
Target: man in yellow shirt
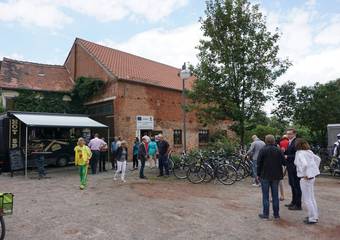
(83, 155)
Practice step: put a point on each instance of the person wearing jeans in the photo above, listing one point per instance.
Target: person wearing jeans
(122, 157)
(274, 187)
(253, 153)
(269, 173)
(163, 150)
(307, 167)
(143, 156)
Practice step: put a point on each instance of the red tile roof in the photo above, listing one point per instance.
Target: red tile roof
(130, 67)
(34, 76)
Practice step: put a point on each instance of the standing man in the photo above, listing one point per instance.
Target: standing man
(103, 156)
(253, 153)
(269, 172)
(143, 156)
(95, 145)
(336, 152)
(114, 148)
(163, 150)
(294, 180)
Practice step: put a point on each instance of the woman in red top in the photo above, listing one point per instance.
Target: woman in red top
(284, 142)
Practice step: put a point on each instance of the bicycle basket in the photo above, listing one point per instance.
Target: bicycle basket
(6, 203)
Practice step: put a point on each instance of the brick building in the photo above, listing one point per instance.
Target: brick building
(134, 87)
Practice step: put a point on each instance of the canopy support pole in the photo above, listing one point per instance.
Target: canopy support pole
(108, 145)
(26, 145)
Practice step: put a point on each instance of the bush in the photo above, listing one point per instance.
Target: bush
(219, 141)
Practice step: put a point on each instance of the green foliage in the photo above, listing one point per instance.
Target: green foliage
(1, 107)
(86, 87)
(35, 101)
(318, 106)
(262, 130)
(38, 101)
(237, 63)
(285, 95)
(219, 140)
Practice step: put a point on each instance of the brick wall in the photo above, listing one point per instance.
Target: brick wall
(163, 104)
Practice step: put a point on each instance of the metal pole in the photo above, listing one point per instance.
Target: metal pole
(108, 145)
(184, 119)
(26, 142)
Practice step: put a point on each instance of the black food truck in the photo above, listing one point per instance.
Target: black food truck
(23, 134)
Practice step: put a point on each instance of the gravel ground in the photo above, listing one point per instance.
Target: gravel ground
(55, 208)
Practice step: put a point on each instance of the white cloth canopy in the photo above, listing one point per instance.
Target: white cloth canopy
(57, 120)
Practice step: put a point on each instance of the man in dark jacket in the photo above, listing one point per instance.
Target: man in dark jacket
(293, 179)
(143, 156)
(269, 172)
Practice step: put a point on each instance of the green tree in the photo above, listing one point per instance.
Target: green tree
(318, 106)
(238, 62)
(285, 96)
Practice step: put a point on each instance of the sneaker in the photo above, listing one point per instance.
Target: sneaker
(262, 216)
(306, 221)
(114, 179)
(294, 208)
(255, 185)
(123, 180)
(276, 217)
(82, 187)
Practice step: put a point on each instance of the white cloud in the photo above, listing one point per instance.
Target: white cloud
(330, 34)
(51, 14)
(33, 12)
(316, 67)
(171, 47)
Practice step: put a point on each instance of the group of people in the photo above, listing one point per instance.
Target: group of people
(269, 159)
(155, 150)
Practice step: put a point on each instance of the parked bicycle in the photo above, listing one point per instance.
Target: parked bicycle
(207, 168)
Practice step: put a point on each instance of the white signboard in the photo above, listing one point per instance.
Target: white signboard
(145, 122)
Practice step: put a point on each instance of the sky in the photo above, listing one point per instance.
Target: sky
(166, 31)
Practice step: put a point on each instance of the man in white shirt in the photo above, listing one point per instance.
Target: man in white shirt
(95, 145)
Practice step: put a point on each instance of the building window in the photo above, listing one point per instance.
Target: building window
(203, 136)
(177, 137)
(10, 104)
(101, 109)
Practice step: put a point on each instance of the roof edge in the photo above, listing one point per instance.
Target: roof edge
(32, 63)
(134, 55)
(111, 74)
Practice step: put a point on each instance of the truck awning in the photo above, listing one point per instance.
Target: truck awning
(57, 120)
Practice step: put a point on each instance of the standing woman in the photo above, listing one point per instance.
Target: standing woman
(82, 157)
(307, 167)
(153, 149)
(121, 156)
(135, 154)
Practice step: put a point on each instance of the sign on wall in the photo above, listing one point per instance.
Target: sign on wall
(145, 122)
(14, 133)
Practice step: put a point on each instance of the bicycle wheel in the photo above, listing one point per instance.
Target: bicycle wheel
(171, 165)
(226, 174)
(2, 228)
(209, 176)
(196, 174)
(240, 172)
(180, 170)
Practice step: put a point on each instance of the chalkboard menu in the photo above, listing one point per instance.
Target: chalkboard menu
(16, 159)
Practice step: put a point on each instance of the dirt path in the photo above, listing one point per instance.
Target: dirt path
(156, 209)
